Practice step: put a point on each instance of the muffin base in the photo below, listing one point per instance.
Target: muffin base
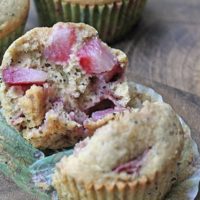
(145, 188)
(112, 21)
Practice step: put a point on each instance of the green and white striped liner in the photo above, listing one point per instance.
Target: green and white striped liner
(112, 21)
(7, 40)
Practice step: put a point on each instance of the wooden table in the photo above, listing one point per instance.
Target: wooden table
(164, 53)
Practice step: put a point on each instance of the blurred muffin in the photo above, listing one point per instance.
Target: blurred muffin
(12, 21)
(133, 157)
(111, 18)
(60, 84)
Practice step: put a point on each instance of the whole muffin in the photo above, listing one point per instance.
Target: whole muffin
(132, 157)
(12, 20)
(111, 18)
(60, 84)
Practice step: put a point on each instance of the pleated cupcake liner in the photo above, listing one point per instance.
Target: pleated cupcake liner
(145, 188)
(112, 21)
(6, 41)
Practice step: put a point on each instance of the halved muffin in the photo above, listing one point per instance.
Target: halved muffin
(59, 84)
(132, 157)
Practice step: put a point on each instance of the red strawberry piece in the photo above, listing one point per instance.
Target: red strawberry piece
(26, 87)
(132, 166)
(23, 76)
(102, 113)
(95, 57)
(60, 44)
(113, 75)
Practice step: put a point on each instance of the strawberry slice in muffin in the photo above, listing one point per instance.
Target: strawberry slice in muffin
(60, 84)
(96, 58)
(23, 76)
(61, 41)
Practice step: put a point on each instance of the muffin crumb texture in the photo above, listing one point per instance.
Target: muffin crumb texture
(60, 84)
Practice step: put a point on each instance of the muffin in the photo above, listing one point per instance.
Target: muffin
(12, 20)
(60, 84)
(132, 157)
(112, 18)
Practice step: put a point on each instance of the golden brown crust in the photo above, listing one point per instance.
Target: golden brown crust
(13, 15)
(93, 125)
(56, 133)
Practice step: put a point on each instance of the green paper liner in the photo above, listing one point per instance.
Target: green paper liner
(16, 154)
(32, 171)
(7, 40)
(112, 21)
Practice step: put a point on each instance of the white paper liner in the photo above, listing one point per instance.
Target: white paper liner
(188, 188)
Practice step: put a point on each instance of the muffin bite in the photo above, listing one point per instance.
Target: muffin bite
(60, 84)
(12, 20)
(112, 18)
(132, 157)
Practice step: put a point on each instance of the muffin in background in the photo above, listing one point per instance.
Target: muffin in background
(12, 21)
(111, 18)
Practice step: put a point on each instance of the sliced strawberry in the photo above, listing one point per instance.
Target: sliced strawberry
(133, 166)
(95, 57)
(60, 44)
(130, 167)
(23, 76)
(102, 113)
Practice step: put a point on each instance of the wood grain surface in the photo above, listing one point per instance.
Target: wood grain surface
(164, 53)
(165, 46)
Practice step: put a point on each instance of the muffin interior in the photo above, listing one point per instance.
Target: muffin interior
(65, 74)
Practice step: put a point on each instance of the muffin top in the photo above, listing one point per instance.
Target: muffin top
(13, 13)
(92, 2)
(140, 143)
